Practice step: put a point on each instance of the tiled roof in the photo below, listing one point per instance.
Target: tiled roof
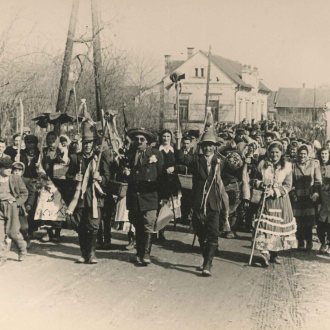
(302, 97)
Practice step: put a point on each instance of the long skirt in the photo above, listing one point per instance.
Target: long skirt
(277, 226)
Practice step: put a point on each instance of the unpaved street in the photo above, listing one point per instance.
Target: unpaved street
(50, 291)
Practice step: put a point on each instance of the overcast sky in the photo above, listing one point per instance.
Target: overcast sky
(288, 40)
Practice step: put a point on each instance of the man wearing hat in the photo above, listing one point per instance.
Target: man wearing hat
(90, 199)
(209, 198)
(146, 165)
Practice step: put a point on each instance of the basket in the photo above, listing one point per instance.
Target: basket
(118, 188)
(185, 180)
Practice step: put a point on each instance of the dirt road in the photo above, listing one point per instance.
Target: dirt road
(49, 291)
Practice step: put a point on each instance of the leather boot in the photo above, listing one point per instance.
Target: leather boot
(82, 244)
(57, 235)
(211, 249)
(203, 248)
(131, 241)
(147, 248)
(92, 237)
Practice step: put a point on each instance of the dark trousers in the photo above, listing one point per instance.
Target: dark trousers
(304, 230)
(104, 232)
(206, 226)
(323, 232)
(87, 230)
(144, 223)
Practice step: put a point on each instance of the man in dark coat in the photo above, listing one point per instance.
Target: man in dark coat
(146, 164)
(89, 199)
(209, 198)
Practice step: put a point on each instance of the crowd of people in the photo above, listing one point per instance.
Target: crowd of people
(259, 178)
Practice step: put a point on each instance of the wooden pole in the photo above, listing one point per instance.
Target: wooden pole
(178, 125)
(61, 99)
(208, 81)
(97, 59)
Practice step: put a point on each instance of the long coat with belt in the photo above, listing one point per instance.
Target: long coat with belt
(142, 193)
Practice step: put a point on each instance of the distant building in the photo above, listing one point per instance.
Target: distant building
(235, 91)
(299, 104)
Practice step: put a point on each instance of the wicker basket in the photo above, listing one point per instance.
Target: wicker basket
(185, 180)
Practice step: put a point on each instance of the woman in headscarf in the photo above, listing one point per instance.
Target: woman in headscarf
(277, 225)
(323, 224)
(306, 191)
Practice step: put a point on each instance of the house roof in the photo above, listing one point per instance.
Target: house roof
(233, 69)
(302, 97)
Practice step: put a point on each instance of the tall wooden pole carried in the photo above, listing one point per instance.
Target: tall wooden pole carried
(61, 99)
(97, 59)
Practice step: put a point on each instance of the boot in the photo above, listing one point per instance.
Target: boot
(48, 237)
(301, 245)
(107, 244)
(139, 247)
(161, 235)
(21, 246)
(211, 249)
(82, 244)
(131, 240)
(57, 235)
(92, 237)
(309, 246)
(274, 258)
(203, 248)
(147, 248)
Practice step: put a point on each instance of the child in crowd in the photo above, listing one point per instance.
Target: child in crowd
(13, 194)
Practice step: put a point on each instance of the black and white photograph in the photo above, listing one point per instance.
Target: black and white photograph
(164, 164)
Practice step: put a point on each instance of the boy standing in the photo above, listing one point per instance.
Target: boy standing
(13, 194)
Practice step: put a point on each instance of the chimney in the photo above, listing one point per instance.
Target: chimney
(190, 51)
(167, 64)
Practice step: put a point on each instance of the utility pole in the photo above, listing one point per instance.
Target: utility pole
(208, 81)
(61, 99)
(97, 59)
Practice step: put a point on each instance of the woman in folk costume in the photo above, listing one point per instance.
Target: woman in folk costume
(323, 224)
(277, 225)
(306, 183)
(209, 198)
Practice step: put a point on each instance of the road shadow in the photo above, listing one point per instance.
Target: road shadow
(179, 267)
(310, 256)
(177, 246)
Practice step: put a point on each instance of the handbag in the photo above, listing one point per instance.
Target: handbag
(256, 196)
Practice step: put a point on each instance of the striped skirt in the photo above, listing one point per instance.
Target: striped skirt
(277, 228)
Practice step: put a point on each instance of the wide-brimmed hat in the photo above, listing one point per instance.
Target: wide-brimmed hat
(141, 131)
(18, 165)
(209, 137)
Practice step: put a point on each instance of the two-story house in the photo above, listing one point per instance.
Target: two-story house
(235, 91)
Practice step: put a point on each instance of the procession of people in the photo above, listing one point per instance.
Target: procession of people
(259, 178)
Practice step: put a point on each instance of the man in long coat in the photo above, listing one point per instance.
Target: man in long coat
(209, 198)
(146, 165)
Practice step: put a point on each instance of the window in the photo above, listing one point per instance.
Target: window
(196, 72)
(184, 109)
(214, 104)
(202, 72)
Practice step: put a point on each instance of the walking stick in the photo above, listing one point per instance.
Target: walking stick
(257, 227)
(173, 212)
(194, 240)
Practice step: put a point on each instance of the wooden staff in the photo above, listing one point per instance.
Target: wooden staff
(18, 157)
